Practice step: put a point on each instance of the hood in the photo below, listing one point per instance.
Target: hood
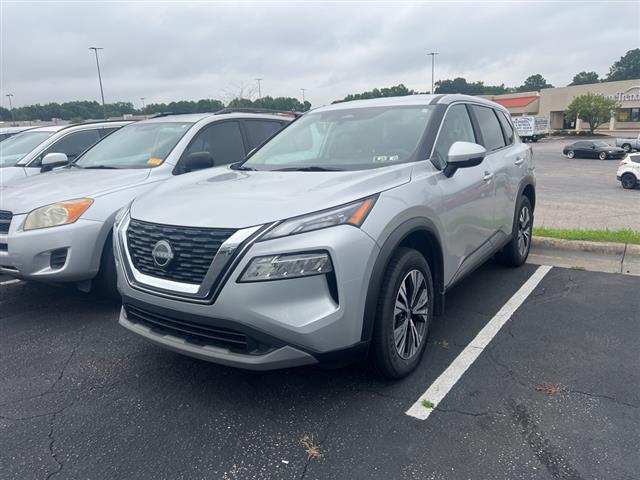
(24, 195)
(225, 198)
(11, 174)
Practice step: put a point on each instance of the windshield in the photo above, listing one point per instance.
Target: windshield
(349, 139)
(18, 146)
(141, 145)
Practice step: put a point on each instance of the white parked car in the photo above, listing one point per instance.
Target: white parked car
(40, 149)
(629, 171)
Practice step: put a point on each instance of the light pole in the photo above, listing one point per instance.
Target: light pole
(9, 96)
(142, 100)
(259, 91)
(303, 90)
(95, 50)
(433, 58)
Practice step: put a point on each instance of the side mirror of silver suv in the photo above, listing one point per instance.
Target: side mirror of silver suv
(52, 160)
(463, 155)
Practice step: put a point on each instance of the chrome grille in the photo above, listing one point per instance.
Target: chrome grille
(5, 221)
(193, 249)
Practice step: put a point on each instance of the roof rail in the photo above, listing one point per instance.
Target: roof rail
(161, 114)
(259, 110)
(89, 122)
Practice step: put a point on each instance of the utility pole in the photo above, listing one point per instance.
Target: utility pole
(95, 50)
(433, 57)
(259, 91)
(9, 96)
(303, 90)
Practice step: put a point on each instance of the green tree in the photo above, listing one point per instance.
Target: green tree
(627, 68)
(396, 91)
(534, 83)
(593, 108)
(585, 78)
(460, 85)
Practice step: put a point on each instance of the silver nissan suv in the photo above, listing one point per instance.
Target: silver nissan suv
(337, 239)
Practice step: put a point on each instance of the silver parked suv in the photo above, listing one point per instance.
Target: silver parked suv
(54, 226)
(338, 238)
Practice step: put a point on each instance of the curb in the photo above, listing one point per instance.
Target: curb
(584, 246)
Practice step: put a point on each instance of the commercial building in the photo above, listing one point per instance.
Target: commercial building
(552, 103)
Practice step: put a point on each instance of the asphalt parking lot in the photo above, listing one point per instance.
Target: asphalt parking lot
(554, 395)
(581, 192)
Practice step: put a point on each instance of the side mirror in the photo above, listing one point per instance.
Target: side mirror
(52, 160)
(463, 155)
(196, 161)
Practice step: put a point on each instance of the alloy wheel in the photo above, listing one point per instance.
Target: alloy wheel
(602, 156)
(411, 314)
(628, 181)
(524, 231)
(571, 154)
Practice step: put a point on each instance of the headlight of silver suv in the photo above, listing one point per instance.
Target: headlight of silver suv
(61, 213)
(353, 213)
(290, 265)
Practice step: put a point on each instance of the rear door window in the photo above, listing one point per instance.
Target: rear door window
(492, 138)
(258, 131)
(507, 129)
(223, 140)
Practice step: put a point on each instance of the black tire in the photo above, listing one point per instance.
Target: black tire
(571, 154)
(626, 147)
(105, 283)
(385, 353)
(602, 155)
(628, 181)
(512, 255)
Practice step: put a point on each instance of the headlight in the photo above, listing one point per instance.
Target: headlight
(350, 214)
(293, 265)
(61, 213)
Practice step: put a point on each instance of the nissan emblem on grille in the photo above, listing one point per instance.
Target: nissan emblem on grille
(162, 253)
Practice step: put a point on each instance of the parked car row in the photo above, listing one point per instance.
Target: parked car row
(255, 241)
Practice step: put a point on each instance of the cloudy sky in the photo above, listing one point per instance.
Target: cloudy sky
(166, 51)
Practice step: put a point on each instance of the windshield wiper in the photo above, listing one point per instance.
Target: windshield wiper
(73, 164)
(235, 166)
(100, 167)
(310, 168)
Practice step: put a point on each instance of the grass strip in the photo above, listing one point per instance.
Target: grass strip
(617, 236)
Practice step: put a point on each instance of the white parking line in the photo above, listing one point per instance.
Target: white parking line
(10, 282)
(445, 382)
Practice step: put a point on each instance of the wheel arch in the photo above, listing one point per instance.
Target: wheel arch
(528, 189)
(420, 234)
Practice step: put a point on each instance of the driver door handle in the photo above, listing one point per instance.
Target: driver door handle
(487, 176)
(519, 161)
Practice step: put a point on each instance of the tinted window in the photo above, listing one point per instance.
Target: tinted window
(260, 130)
(72, 145)
(15, 148)
(456, 127)
(222, 140)
(634, 158)
(507, 129)
(492, 138)
(106, 131)
(582, 144)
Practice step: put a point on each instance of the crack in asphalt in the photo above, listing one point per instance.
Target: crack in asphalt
(607, 397)
(550, 456)
(468, 414)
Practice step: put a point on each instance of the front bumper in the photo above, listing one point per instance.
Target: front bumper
(65, 253)
(294, 321)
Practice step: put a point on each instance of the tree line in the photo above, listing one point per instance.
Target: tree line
(628, 67)
(83, 110)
